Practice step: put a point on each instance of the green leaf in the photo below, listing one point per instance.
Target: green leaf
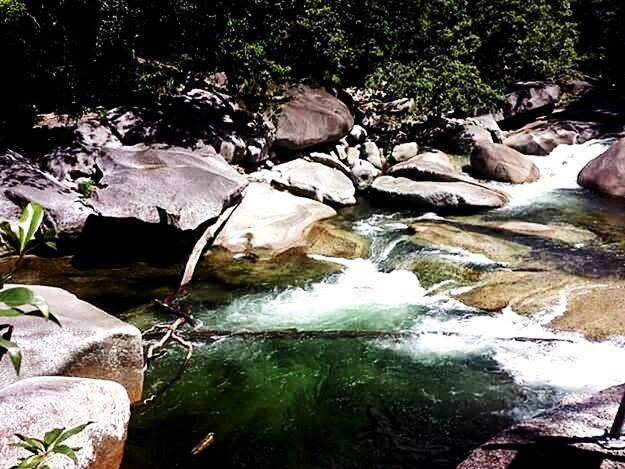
(14, 352)
(11, 312)
(18, 296)
(73, 431)
(66, 451)
(31, 462)
(26, 446)
(33, 442)
(51, 436)
(29, 224)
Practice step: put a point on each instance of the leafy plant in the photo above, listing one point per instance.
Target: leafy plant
(21, 238)
(87, 188)
(43, 450)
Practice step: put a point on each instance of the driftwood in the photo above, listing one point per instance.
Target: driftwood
(340, 334)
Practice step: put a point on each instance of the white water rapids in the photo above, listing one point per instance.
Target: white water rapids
(364, 296)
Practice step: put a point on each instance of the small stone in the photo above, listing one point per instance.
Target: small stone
(405, 151)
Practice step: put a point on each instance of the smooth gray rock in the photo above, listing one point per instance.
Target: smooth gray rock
(312, 116)
(357, 135)
(404, 152)
(76, 157)
(35, 406)
(373, 155)
(22, 182)
(90, 344)
(560, 437)
(270, 221)
(144, 182)
(436, 195)
(331, 160)
(502, 163)
(429, 166)
(315, 181)
(541, 138)
(364, 173)
(353, 155)
(606, 173)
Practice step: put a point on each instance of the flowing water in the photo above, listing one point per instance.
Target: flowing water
(423, 400)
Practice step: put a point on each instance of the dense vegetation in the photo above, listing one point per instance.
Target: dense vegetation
(452, 55)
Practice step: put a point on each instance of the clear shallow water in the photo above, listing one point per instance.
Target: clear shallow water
(421, 401)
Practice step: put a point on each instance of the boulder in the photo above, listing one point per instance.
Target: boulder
(269, 221)
(429, 166)
(312, 116)
(527, 101)
(606, 173)
(353, 155)
(436, 195)
(75, 156)
(502, 163)
(363, 174)
(133, 125)
(373, 155)
(331, 160)
(540, 138)
(90, 344)
(357, 135)
(327, 240)
(315, 181)
(561, 437)
(22, 182)
(404, 152)
(149, 183)
(35, 406)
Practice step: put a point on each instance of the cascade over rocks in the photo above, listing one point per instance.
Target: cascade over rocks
(35, 406)
(428, 195)
(311, 116)
(502, 163)
(90, 344)
(606, 173)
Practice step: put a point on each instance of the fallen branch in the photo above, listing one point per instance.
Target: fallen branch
(339, 334)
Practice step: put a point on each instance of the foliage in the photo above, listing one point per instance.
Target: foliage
(21, 238)
(52, 444)
(68, 56)
(87, 187)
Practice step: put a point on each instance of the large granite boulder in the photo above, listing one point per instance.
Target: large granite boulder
(427, 195)
(429, 166)
(315, 181)
(312, 116)
(606, 173)
(149, 183)
(526, 101)
(90, 344)
(541, 138)
(269, 221)
(502, 163)
(561, 437)
(22, 182)
(35, 406)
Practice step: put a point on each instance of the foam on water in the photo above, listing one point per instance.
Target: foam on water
(523, 347)
(558, 170)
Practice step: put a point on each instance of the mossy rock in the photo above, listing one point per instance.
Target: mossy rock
(443, 234)
(327, 240)
(292, 267)
(432, 271)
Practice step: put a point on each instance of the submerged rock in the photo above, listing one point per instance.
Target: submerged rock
(606, 173)
(502, 163)
(436, 195)
(330, 241)
(90, 344)
(315, 181)
(312, 116)
(269, 221)
(35, 406)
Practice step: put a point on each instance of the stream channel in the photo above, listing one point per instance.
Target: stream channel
(423, 400)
